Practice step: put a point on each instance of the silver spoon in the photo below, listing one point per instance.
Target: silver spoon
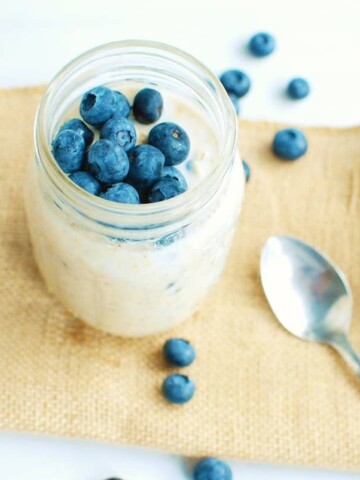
(308, 294)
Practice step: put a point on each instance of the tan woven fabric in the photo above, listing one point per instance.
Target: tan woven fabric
(261, 394)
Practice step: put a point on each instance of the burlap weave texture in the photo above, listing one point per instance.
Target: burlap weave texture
(261, 394)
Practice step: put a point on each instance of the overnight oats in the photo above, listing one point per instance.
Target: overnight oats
(135, 190)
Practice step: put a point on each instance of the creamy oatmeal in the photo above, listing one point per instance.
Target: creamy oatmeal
(138, 287)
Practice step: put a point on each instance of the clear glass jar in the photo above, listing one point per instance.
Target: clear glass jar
(133, 270)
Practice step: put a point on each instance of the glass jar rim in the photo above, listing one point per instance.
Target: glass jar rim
(111, 212)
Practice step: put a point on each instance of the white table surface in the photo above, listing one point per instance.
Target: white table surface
(318, 39)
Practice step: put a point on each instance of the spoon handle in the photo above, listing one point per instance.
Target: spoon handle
(343, 346)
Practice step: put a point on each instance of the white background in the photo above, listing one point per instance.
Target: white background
(317, 39)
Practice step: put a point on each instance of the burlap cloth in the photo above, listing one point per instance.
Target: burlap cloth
(262, 395)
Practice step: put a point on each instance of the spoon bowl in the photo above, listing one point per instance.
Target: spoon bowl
(308, 294)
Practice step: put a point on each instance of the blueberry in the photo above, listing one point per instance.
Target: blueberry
(212, 469)
(146, 165)
(121, 193)
(235, 101)
(289, 144)
(247, 170)
(122, 105)
(172, 172)
(148, 106)
(98, 105)
(141, 189)
(68, 148)
(119, 130)
(262, 44)
(172, 140)
(179, 352)
(236, 82)
(108, 162)
(298, 88)
(86, 181)
(178, 388)
(79, 127)
(164, 189)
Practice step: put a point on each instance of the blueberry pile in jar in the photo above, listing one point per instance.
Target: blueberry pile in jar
(114, 167)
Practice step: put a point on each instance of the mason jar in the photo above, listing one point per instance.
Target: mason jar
(127, 269)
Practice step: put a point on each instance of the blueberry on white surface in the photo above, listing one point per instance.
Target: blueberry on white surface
(262, 44)
(298, 88)
(236, 82)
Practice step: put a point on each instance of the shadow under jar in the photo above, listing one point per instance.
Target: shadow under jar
(134, 270)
